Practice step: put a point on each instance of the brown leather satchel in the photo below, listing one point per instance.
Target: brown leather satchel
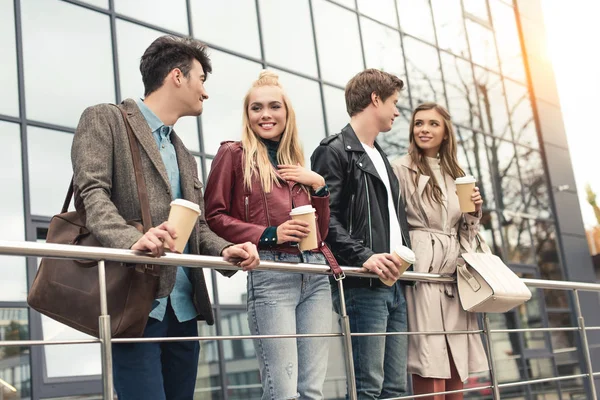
(68, 290)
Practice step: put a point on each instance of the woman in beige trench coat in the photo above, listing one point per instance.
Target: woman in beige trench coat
(427, 174)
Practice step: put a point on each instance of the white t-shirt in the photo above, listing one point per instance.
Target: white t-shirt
(395, 233)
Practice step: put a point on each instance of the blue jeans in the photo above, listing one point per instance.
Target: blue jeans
(290, 303)
(159, 370)
(379, 361)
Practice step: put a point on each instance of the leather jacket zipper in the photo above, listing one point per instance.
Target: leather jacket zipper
(246, 201)
(369, 213)
(266, 207)
(351, 214)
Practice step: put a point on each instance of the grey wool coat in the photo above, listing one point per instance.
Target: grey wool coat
(433, 306)
(106, 191)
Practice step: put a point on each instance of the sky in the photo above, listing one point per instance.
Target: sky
(573, 30)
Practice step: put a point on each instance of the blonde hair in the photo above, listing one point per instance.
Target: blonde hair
(447, 153)
(256, 157)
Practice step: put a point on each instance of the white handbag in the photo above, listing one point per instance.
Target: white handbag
(485, 283)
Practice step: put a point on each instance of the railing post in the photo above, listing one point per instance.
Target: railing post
(584, 344)
(345, 322)
(488, 337)
(104, 335)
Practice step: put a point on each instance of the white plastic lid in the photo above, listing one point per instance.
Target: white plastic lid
(465, 179)
(406, 254)
(303, 210)
(186, 203)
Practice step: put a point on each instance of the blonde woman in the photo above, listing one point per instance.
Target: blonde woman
(252, 187)
(426, 174)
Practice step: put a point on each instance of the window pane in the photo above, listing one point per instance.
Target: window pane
(521, 114)
(243, 378)
(530, 315)
(305, 97)
(383, 51)
(9, 101)
(424, 72)
(227, 86)
(505, 175)
(346, 3)
(381, 10)
(171, 15)
(534, 183)
(477, 8)
(208, 380)
(232, 290)
(335, 107)
(492, 103)
(48, 186)
(473, 158)
(507, 37)
(339, 49)
(518, 239)
(450, 27)
(209, 17)
(69, 360)
(132, 41)
(13, 285)
(415, 19)
(505, 347)
(74, 79)
(489, 227)
(97, 3)
(15, 371)
(395, 142)
(187, 130)
(461, 91)
(290, 20)
(483, 49)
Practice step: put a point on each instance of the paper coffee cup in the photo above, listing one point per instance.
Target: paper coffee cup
(464, 190)
(307, 214)
(183, 217)
(407, 258)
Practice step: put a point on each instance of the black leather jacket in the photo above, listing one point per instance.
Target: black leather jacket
(359, 224)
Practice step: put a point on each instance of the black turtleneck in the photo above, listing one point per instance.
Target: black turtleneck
(272, 147)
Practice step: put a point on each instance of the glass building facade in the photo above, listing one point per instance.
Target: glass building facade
(482, 59)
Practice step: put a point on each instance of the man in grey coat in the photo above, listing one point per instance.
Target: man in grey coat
(173, 72)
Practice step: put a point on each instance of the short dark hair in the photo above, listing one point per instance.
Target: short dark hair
(363, 84)
(169, 52)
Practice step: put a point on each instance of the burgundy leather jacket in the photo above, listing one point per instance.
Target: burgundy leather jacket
(238, 214)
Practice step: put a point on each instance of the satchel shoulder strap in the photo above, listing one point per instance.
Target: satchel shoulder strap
(139, 177)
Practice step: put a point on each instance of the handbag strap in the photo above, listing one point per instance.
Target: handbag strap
(480, 243)
(139, 176)
(336, 270)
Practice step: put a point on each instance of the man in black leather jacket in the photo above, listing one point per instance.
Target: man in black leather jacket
(367, 221)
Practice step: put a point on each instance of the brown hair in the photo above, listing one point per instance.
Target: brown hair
(167, 53)
(363, 84)
(447, 153)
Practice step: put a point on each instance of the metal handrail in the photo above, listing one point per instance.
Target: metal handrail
(196, 261)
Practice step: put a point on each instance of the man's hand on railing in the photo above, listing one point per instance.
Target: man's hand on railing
(385, 265)
(155, 239)
(245, 255)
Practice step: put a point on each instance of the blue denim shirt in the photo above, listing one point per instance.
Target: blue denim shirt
(181, 296)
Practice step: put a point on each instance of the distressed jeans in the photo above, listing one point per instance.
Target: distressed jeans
(379, 361)
(290, 303)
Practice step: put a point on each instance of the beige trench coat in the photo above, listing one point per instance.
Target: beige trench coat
(433, 306)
